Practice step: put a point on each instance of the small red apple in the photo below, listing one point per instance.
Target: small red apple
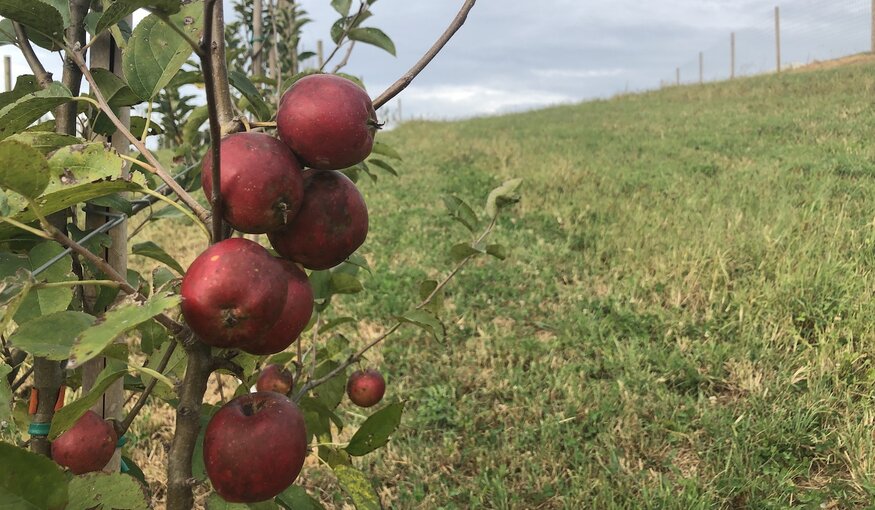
(328, 121)
(294, 317)
(276, 378)
(254, 447)
(261, 187)
(330, 226)
(86, 446)
(365, 388)
(233, 293)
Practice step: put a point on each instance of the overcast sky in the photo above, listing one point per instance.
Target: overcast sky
(520, 54)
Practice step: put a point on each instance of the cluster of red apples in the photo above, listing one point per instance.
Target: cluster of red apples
(237, 295)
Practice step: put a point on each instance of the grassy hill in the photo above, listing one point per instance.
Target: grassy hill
(685, 320)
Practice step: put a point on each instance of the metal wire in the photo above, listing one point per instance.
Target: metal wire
(118, 218)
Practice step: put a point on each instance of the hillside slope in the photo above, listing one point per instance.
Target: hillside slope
(686, 320)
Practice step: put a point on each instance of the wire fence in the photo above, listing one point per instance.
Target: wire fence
(782, 36)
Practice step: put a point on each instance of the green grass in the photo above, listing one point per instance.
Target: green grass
(686, 319)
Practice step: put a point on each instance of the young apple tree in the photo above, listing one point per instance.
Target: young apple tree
(281, 156)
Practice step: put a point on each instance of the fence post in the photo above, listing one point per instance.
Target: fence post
(319, 55)
(677, 73)
(701, 67)
(778, 38)
(106, 54)
(872, 13)
(732, 55)
(257, 38)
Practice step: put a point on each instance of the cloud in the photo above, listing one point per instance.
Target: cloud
(454, 101)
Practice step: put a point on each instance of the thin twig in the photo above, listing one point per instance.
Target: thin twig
(363, 7)
(215, 124)
(43, 77)
(17, 384)
(340, 65)
(408, 77)
(125, 424)
(189, 200)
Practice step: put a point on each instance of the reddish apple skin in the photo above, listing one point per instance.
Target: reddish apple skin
(366, 388)
(328, 121)
(86, 446)
(330, 226)
(233, 293)
(262, 186)
(274, 378)
(294, 317)
(254, 447)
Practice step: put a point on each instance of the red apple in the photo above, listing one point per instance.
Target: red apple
(294, 317)
(365, 388)
(276, 378)
(233, 293)
(330, 226)
(261, 187)
(86, 446)
(328, 121)
(254, 447)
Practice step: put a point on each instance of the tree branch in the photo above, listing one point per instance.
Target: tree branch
(43, 77)
(65, 114)
(200, 362)
(183, 195)
(363, 7)
(408, 77)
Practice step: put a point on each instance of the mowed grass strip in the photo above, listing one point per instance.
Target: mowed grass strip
(685, 320)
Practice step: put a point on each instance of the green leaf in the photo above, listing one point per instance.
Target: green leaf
(29, 481)
(83, 164)
(153, 251)
(193, 123)
(118, 10)
(115, 202)
(44, 141)
(105, 491)
(331, 393)
(24, 85)
(67, 415)
(333, 323)
(155, 52)
(296, 498)
(385, 149)
(358, 487)
(437, 302)
(138, 124)
(68, 196)
(114, 89)
(45, 301)
(497, 250)
(17, 116)
(341, 6)
(343, 283)
(385, 166)
(13, 291)
(51, 336)
(240, 82)
(39, 17)
(375, 431)
(25, 170)
(373, 36)
(7, 32)
(5, 397)
(152, 336)
(462, 251)
(460, 211)
(424, 320)
(502, 196)
(93, 340)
